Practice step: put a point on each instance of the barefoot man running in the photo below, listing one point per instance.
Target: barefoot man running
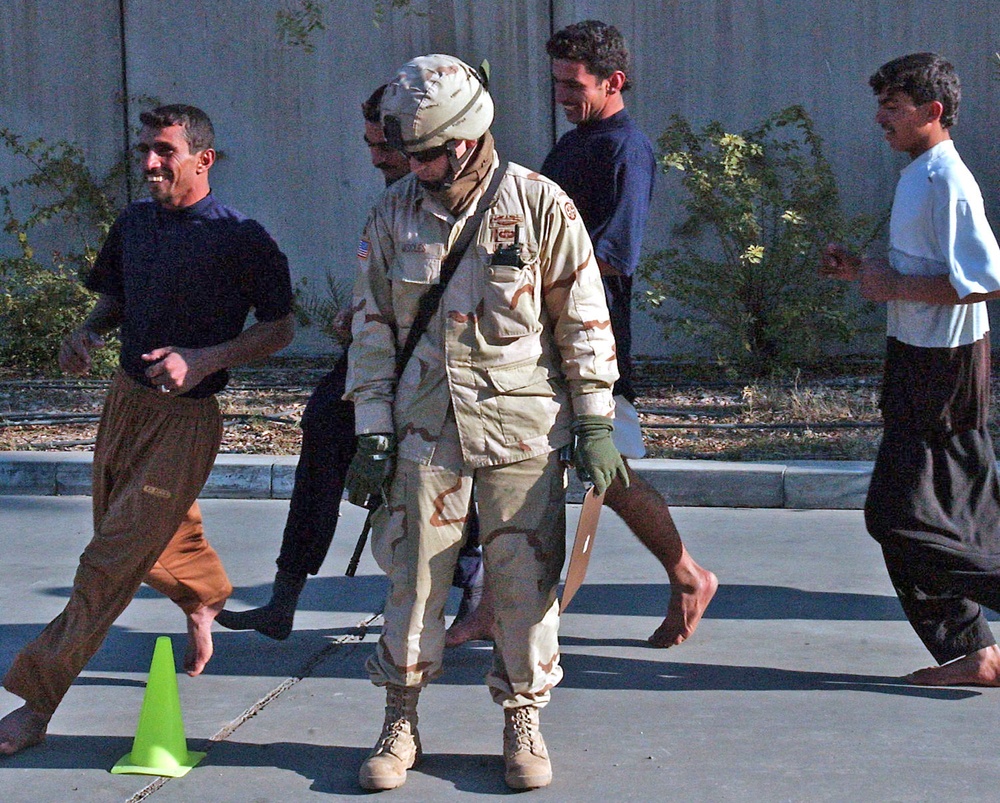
(177, 277)
(606, 166)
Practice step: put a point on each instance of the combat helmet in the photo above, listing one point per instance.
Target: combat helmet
(434, 100)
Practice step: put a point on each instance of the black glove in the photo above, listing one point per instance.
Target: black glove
(371, 470)
(594, 455)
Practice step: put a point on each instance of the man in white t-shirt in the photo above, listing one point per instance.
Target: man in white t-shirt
(934, 500)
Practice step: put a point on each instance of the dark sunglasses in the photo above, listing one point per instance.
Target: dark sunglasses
(428, 155)
(384, 147)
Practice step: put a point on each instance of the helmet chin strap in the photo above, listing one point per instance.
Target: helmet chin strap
(454, 165)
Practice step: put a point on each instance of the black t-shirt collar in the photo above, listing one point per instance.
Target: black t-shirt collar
(616, 120)
(194, 210)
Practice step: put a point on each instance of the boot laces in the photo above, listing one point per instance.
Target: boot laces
(522, 730)
(392, 735)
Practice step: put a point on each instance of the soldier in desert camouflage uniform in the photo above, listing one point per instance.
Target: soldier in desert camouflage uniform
(518, 357)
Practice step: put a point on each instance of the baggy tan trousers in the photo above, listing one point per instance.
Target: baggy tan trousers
(153, 455)
(416, 542)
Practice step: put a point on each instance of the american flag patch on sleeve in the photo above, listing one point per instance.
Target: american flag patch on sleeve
(363, 248)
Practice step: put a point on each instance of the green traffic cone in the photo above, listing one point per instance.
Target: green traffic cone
(159, 747)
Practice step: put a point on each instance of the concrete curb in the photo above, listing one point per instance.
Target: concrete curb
(796, 484)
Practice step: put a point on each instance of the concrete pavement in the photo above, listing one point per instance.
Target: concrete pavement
(789, 691)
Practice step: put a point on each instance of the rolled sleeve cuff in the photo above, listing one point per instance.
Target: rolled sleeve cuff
(372, 417)
(600, 402)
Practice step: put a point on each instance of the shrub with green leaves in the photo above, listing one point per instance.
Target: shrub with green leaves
(743, 270)
(299, 21)
(41, 300)
(325, 309)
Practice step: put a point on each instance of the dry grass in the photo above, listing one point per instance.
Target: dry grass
(687, 412)
(813, 418)
(262, 410)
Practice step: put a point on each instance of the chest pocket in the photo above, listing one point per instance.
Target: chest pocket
(510, 309)
(418, 263)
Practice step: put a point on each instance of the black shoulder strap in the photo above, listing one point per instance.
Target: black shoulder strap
(431, 300)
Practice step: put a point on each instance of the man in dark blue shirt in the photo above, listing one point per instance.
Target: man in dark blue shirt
(606, 165)
(178, 275)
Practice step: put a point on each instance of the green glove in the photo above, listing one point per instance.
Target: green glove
(370, 473)
(594, 454)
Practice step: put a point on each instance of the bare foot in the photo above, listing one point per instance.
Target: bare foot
(687, 604)
(21, 729)
(478, 625)
(199, 646)
(980, 668)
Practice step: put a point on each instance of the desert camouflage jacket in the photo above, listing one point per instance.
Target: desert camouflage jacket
(522, 329)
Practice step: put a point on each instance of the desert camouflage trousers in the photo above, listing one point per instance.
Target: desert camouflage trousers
(416, 541)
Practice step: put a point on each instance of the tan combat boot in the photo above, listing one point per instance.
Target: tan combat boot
(524, 753)
(398, 747)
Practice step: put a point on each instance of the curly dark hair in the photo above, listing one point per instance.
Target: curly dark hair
(198, 130)
(924, 77)
(598, 46)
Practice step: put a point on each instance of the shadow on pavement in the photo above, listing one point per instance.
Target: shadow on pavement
(608, 673)
(740, 602)
(341, 652)
(317, 654)
(331, 769)
(361, 594)
(366, 593)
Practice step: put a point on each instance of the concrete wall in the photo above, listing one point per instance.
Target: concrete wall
(288, 121)
(59, 75)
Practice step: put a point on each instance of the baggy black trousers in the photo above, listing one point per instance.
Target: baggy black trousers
(934, 500)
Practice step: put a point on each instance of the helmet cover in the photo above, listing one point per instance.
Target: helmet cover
(435, 99)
